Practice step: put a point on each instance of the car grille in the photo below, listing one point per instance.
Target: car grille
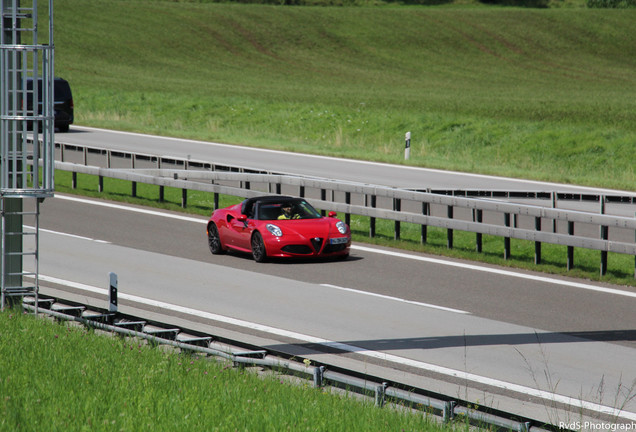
(297, 249)
(317, 243)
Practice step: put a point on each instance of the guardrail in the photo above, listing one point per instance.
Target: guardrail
(384, 392)
(485, 213)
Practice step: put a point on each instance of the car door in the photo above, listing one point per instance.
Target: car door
(239, 232)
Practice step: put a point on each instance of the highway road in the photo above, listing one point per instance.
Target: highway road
(553, 349)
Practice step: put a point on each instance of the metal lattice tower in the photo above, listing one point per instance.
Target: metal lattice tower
(26, 140)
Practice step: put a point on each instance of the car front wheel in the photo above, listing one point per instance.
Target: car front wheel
(214, 240)
(258, 248)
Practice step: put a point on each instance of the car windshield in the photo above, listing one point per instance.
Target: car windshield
(297, 209)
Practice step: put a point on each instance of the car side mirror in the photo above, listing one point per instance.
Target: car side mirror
(242, 218)
(333, 214)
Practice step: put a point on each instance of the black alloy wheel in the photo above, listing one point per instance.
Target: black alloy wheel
(214, 241)
(258, 248)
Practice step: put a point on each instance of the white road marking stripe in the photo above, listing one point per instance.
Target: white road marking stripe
(577, 403)
(386, 297)
(499, 271)
(475, 267)
(68, 235)
(128, 208)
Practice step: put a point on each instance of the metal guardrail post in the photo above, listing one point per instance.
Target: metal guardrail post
(372, 219)
(449, 411)
(397, 206)
(426, 211)
(449, 231)
(380, 393)
(507, 239)
(604, 232)
(479, 217)
(570, 248)
(537, 244)
(554, 206)
(319, 373)
(323, 197)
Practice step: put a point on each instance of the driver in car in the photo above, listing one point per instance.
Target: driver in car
(287, 212)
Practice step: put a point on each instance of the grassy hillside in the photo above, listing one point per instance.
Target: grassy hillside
(546, 94)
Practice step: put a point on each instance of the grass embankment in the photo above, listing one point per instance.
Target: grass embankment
(56, 377)
(544, 94)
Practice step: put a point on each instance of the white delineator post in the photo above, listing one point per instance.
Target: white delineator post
(407, 146)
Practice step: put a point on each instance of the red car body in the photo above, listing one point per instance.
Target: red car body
(255, 226)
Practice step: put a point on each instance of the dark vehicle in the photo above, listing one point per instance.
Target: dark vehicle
(63, 102)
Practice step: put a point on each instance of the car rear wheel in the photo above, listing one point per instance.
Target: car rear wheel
(214, 240)
(258, 248)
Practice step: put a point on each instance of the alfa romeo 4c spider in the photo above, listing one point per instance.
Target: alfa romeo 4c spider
(278, 226)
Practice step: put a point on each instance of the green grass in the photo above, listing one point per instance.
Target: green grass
(554, 258)
(59, 377)
(547, 94)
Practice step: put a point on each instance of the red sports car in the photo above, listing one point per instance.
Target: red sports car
(278, 226)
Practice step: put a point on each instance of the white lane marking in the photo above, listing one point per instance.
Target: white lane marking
(130, 209)
(467, 266)
(499, 272)
(577, 403)
(397, 299)
(68, 235)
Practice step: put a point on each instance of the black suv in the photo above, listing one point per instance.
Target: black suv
(63, 102)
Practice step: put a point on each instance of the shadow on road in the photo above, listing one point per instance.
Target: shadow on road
(433, 342)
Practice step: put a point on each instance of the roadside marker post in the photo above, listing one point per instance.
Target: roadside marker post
(112, 293)
(407, 146)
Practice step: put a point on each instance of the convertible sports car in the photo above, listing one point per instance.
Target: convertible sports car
(278, 226)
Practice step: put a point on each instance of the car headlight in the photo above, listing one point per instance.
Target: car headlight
(274, 230)
(342, 227)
